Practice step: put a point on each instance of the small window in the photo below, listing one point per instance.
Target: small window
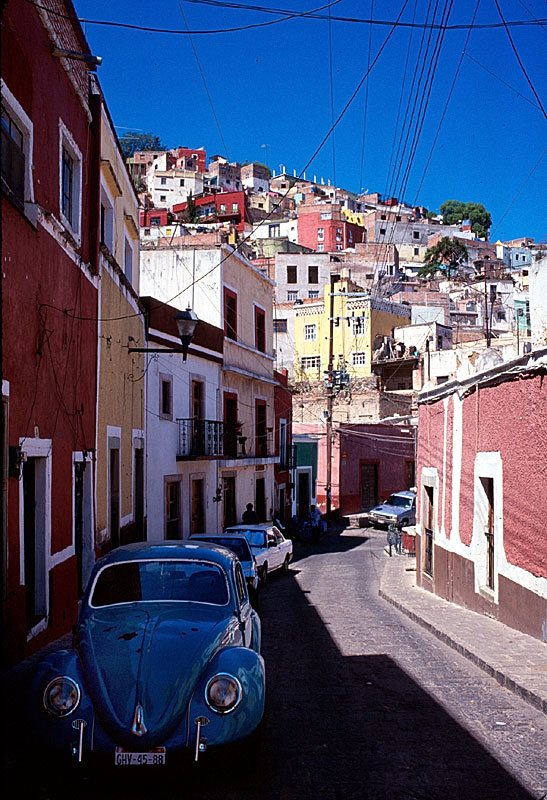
(260, 330)
(230, 314)
(292, 273)
(280, 326)
(166, 397)
(313, 274)
(313, 294)
(416, 234)
(321, 247)
(163, 181)
(13, 158)
(292, 296)
(70, 181)
(181, 182)
(235, 208)
(358, 325)
(416, 251)
(310, 332)
(358, 359)
(382, 231)
(310, 362)
(222, 208)
(155, 220)
(163, 198)
(320, 234)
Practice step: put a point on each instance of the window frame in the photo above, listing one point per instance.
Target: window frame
(260, 328)
(165, 379)
(67, 144)
(16, 112)
(230, 327)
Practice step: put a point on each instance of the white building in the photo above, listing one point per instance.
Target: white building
(171, 186)
(183, 428)
(226, 290)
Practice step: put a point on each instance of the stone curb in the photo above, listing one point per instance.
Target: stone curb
(502, 677)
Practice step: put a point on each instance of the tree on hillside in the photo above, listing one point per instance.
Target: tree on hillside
(455, 211)
(191, 213)
(446, 256)
(132, 142)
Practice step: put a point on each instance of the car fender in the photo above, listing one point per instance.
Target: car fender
(247, 666)
(58, 732)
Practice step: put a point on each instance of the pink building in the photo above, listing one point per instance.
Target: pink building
(482, 503)
(323, 228)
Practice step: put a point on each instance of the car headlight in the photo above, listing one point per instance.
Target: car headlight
(61, 696)
(223, 693)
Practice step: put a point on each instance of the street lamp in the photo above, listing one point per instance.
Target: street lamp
(186, 325)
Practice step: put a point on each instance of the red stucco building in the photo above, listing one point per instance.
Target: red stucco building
(482, 504)
(50, 228)
(323, 228)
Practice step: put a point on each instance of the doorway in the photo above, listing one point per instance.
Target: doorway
(34, 533)
(260, 499)
(369, 485)
(198, 514)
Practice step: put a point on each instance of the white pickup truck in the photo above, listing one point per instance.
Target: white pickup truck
(268, 545)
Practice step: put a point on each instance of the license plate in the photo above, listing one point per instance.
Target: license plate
(125, 758)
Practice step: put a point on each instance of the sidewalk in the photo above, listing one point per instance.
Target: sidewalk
(516, 660)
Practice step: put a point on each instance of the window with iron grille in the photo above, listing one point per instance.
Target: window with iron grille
(280, 326)
(428, 529)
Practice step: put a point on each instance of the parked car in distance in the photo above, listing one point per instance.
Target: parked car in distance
(165, 659)
(240, 547)
(268, 545)
(399, 509)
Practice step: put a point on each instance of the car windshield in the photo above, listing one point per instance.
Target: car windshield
(134, 581)
(254, 537)
(397, 500)
(238, 546)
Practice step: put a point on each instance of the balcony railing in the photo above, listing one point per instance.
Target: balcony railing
(205, 438)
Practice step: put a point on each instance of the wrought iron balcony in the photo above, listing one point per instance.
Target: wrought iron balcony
(205, 438)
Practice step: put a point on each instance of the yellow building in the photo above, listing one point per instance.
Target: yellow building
(358, 318)
(120, 502)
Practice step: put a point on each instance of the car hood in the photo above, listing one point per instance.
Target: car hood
(385, 509)
(148, 656)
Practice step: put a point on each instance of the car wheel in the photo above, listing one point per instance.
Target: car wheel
(286, 564)
(264, 575)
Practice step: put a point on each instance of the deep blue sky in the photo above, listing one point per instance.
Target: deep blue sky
(271, 86)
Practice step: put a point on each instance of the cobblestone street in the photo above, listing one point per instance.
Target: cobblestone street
(361, 703)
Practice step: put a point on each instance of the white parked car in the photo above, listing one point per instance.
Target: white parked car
(269, 547)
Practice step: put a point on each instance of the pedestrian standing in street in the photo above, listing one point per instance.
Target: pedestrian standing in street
(250, 517)
(315, 521)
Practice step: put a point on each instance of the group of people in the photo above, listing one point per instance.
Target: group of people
(313, 522)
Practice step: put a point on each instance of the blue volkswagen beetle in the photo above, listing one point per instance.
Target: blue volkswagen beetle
(166, 658)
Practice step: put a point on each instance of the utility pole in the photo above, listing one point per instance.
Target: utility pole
(330, 396)
(486, 311)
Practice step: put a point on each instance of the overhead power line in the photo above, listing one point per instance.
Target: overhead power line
(289, 15)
